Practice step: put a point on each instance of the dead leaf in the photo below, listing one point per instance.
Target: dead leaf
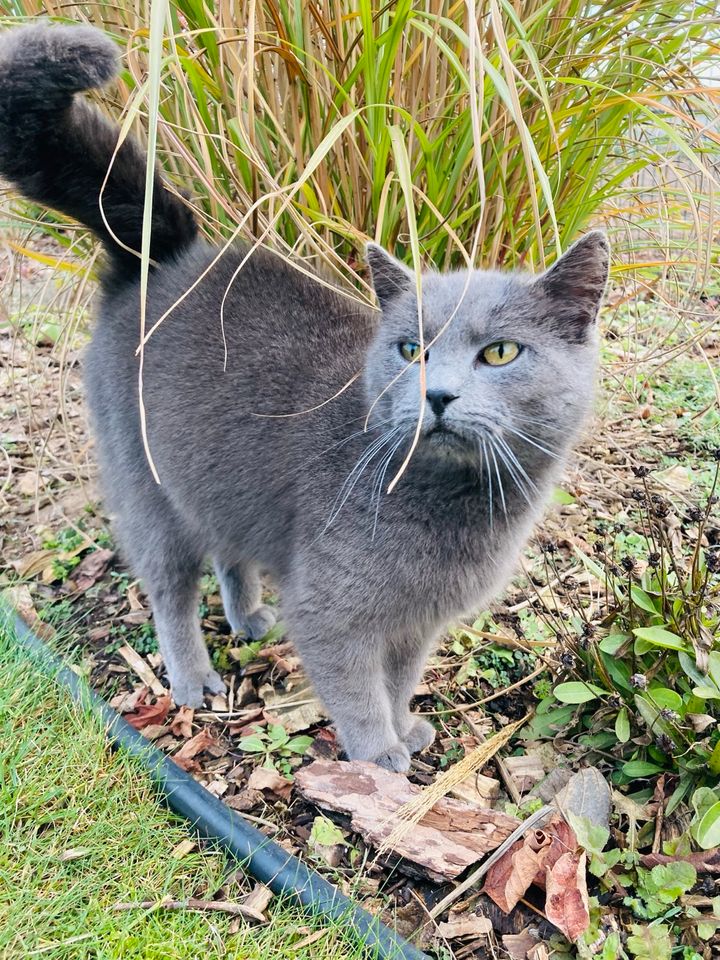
(28, 483)
(185, 757)
(508, 879)
(519, 945)
(183, 849)
(677, 478)
(19, 597)
(567, 905)
(586, 794)
(296, 707)
(459, 925)
(704, 861)
(445, 841)
(91, 568)
(149, 713)
(181, 725)
(34, 563)
(700, 721)
(262, 778)
(75, 853)
(133, 597)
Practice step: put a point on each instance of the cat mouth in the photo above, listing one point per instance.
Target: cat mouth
(441, 433)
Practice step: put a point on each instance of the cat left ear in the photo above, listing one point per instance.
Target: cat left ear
(390, 278)
(576, 282)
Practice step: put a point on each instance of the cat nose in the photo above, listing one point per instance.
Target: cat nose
(438, 400)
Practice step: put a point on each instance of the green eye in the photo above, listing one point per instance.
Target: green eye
(500, 353)
(409, 350)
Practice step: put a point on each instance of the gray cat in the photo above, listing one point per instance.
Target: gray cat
(257, 470)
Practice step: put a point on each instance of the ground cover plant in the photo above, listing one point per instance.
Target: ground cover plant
(357, 122)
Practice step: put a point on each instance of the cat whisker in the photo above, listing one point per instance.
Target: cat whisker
(501, 489)
(382, 471)
(357, 471)
(523, 436)
(548, 425)
(358, 433)
(486, 463)
(507, 457)
(510, 453)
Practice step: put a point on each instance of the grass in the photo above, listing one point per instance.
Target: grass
(80, 830)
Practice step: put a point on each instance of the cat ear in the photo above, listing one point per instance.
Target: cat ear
(576, 282)
(390, 278)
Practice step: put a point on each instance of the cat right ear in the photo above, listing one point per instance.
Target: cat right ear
(390, 278)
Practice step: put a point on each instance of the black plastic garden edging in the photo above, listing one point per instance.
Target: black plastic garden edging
(259, 856)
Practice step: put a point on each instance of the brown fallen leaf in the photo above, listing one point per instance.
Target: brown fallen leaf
(450, 837)
(182, 722)
(145, 714)
(185, 757)
(296, 707)
(508, 880)
(519, 945)
(567, 903)
(704, 861)
(91, 568)
(141, 668)
(262, 778)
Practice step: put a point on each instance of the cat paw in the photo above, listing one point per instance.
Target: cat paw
(189, 691)
(259, 622)
(395, 758)
(255, 625)
(419, 736)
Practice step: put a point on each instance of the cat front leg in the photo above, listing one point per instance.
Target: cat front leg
(348, 675)
(404, 662)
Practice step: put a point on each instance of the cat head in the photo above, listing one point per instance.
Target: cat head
(516, 359)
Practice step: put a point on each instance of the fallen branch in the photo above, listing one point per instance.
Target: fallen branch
(217, 906)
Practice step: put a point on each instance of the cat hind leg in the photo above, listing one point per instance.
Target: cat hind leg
(241, 593)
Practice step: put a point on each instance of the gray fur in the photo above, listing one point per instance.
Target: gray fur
(368, 580)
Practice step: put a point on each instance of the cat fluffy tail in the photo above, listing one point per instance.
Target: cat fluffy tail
(56, 148)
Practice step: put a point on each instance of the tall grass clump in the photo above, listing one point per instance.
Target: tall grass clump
(521, 123)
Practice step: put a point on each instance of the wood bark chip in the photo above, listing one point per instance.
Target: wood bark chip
(133, 659)
(460, 925)
(450, 837)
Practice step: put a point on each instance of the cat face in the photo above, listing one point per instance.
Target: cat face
(514, 366)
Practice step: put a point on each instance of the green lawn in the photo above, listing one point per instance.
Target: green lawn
(80, 830)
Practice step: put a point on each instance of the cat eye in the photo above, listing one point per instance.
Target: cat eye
(410, 350)
(500, 353)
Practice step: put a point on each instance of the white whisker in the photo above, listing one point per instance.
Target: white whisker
(380, 480)
(491, 445)
(533, 443)
(357, 471)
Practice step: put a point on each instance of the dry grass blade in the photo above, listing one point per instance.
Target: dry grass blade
(413, 811)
